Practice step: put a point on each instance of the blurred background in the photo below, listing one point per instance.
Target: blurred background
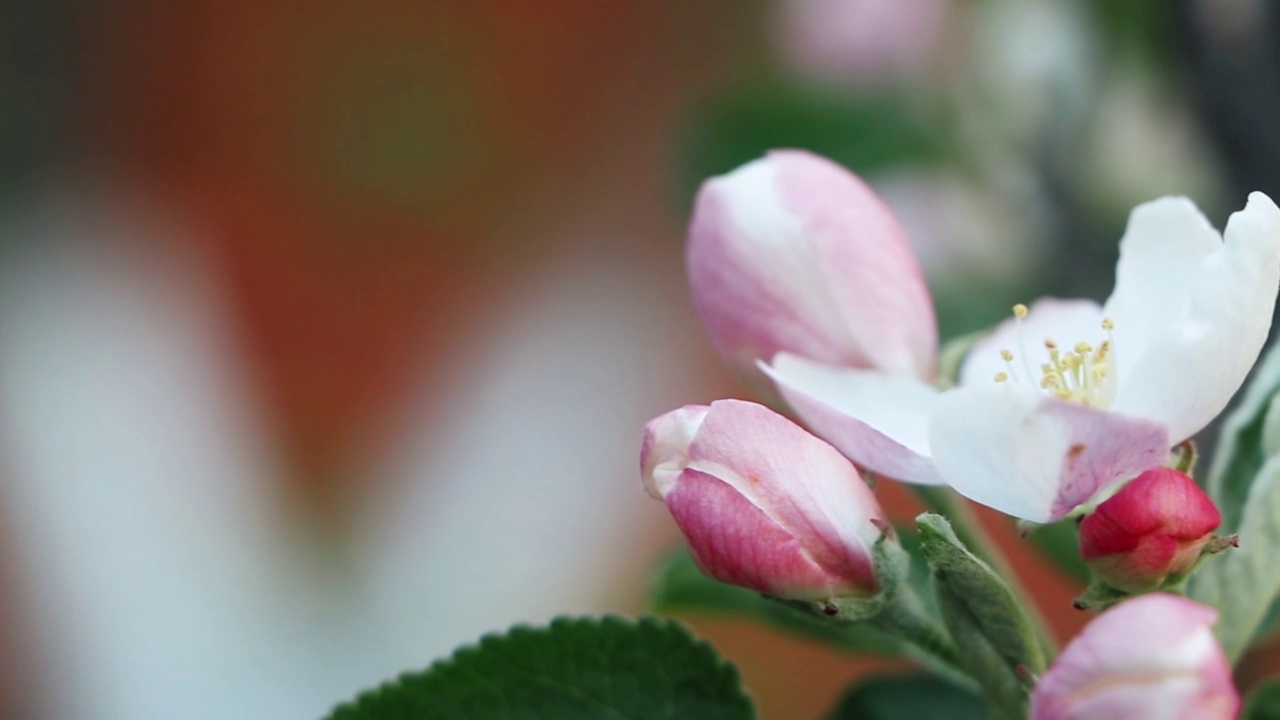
(327, 329)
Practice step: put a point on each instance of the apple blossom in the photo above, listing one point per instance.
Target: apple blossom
(1068, 398)
(762, 503)
(791, 252)
(1149, 658)
(1154, 527)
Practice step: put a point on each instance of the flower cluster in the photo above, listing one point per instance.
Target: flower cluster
(808, 286)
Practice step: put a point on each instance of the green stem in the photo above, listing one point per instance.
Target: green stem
(969, 531)
(904, 616)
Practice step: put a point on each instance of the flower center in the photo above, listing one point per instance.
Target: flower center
(1083, 374)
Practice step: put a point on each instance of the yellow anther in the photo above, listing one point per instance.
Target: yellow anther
(1079, 373)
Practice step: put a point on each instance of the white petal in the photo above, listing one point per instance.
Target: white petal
(664, 453)
(1160, 254)
(1191, 368)
(878, 420)
(1034, 457)
(1064, 321)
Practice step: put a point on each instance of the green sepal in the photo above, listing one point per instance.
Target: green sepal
(897, 611)
(892, 566)
(1100, 596)
(1183, 458)
(681, 588)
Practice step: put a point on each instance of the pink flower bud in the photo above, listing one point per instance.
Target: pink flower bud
(1149, 658)
(794, 253)
(1154, 527)
(762, 503)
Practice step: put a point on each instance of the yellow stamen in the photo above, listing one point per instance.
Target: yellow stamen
(1082, 374)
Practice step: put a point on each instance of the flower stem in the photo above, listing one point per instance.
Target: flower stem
(969, 530)
(905, 617)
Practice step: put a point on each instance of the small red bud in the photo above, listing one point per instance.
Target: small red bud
(1154, 527)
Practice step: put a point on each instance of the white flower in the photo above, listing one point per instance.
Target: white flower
(1068, 398)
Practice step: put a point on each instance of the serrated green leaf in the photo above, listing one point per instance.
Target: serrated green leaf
(574, 669)
(990, 628)
(680, 587)
(1241, 451)
(909, 697)
(1244, 582)
(1263, 703)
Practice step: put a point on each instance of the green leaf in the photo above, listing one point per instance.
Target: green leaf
(681, 587)
(1244, 582)
(989, 627)
(1241, 447)
(1263, 703)
(575, 669)
(909, 697)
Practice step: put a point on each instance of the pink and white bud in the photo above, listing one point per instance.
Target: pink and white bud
(1154, 527)
(762, 503)
(794, 253)
(1149, 658)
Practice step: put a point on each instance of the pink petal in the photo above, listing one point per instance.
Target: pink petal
(1035, 457)
(794, 253)
(734, 541)
(801, 482)
(878, 420)
(875, 280)
(1149, 658)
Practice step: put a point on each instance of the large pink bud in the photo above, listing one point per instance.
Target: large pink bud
(1149, 658)
(762, 503)
(794, 253)
(1155, 527)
